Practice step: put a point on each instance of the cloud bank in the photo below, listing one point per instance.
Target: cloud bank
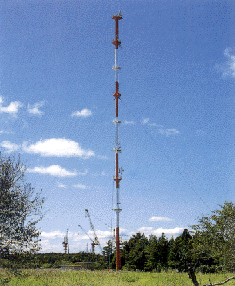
(129, 122)
(159, 231)
(51, 241)
(160, 129)
(34, 109)
(53, 170)
(10, 147)
(80, 186)
(145, 121)
(12, 108)
(168, 132)
(57, 147)
(83, 113)
(159, 218)
(229, 69)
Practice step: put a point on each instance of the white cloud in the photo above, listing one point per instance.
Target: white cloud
(53, 234)
(145, 229)
(53, 170)
(83, 113)
(60, 185)
(102, 234)
(10, 147)
(159, 218)
(83, 173)
(102, 157)
(159, 231)
(129, 122)
(59, 147)
(161, 129)
(103, 173)
(168, 132)
(5, 132)
(172, 231)
(145, 120)
(12, 108)
(80, 186)
(156, 125)
(51, 241)
(229, 68)
(34, 109)
(47, 246)
(123, 231)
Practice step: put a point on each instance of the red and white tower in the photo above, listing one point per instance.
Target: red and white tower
(117, 176)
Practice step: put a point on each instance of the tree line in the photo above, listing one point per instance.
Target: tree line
(208, 247)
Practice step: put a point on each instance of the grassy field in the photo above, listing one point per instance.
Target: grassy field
(54, 277)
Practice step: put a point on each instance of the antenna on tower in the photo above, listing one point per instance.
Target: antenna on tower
(117, 178)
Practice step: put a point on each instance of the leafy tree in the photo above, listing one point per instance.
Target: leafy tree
(157, 253)
(135, 251)
(180, 252)
(214, 237)
(20, 209)
(152, 253)
(163, 248)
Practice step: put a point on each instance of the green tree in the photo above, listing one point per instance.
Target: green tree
(163, 248)
(157, 253)
(21, 209)
(135, 251)
(180, 256)
(152, 253)
(214, 237)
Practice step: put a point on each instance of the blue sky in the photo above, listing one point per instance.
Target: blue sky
(177, 111)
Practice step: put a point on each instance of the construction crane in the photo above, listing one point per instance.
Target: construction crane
(92, 241)
(66, 243)
(96, 240)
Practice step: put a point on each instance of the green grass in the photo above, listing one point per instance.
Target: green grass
(54, 277)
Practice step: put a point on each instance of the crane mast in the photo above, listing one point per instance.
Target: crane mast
(66, 243)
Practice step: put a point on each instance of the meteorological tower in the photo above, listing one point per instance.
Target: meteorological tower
(117, 176)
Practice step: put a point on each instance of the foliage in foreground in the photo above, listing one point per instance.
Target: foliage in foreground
(214, 238)
(20, 209)
(51, 277)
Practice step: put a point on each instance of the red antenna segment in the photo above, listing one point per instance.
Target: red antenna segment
(117, 177)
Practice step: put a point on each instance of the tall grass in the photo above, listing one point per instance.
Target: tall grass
(54, 277)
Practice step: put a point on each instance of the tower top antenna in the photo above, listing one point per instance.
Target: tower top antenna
(119, 15)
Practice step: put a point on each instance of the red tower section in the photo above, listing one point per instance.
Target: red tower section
(117, 178)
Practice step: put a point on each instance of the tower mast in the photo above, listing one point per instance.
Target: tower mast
(117, 178)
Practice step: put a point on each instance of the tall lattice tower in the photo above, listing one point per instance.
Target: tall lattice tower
(117, 176)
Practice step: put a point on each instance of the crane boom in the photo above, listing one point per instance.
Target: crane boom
(96, 240)
(85, 232)
(92, 241)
